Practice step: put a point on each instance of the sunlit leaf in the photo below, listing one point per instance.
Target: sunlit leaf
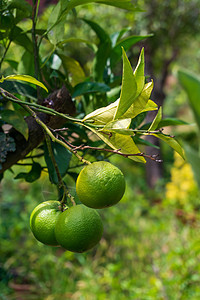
(129, 88)
(15, 119)
(73, 68)
(118, 126)
(156, 121)
(171, 142)
(142, 103)
(103, 115)
(118, 141)
(139, 74)
(26, 78)
(151, 105)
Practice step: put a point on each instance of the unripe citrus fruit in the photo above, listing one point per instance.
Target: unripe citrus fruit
(100, 184)
(43, 220)
(79, 228)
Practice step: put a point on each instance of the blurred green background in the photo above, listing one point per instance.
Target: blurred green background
(151, 247)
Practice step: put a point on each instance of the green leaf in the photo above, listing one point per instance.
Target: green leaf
(104, 48)
(171, 122)
(90, 87)
(57, 32)
(16, 120)
(171, 142)
(26, 64)
(156, 121)
(76, 40)
(62, 157)
(141, 103)
(119, 141)
(55, 26)
(125, 4)
(165, 122)
(139, 73)
(12, 63)
(135, 123)
(151, 105)
(73, 68)
(118, 126)
(26, 78)
(21, 5)
(191, 83)
(129, 88)
(193, 158)
(106, 114)
(115, 37)
(141, 141)
(60, 11)
(103, 115)
(126, 43)
(18, 36)
(19, 88)
(31, 176)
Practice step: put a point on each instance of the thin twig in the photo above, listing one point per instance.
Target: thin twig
(5, 52)
(44, 109)
(34, 39)
(61, 183)
(116, 151)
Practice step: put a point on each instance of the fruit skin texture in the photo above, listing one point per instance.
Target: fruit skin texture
(43, 220)
(100, 185)
(79, 228)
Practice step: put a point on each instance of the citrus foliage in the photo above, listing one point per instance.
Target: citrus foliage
(114, 123)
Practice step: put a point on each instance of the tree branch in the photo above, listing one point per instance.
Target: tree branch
(61, 102)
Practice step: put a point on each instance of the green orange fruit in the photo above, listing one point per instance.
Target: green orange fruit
(43, 220)
(100, 185)
(79, 228)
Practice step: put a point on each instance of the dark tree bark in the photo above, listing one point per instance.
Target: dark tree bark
(60, 101)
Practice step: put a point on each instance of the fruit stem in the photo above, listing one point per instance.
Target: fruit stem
(61, 183)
